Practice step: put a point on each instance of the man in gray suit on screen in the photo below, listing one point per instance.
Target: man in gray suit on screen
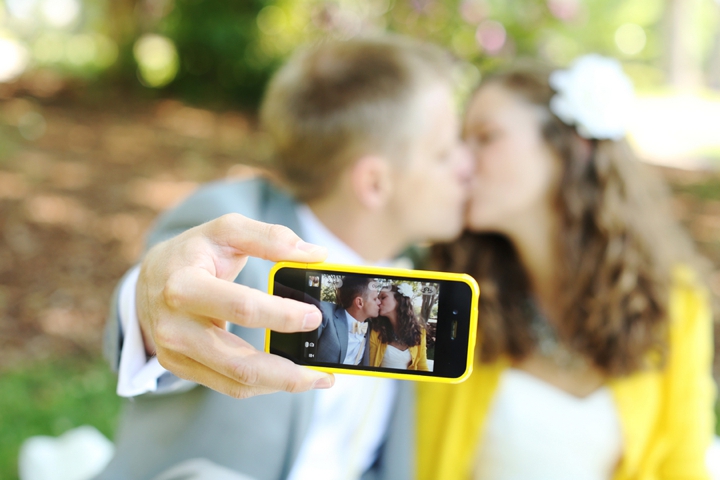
(366, 144)
(343, 333)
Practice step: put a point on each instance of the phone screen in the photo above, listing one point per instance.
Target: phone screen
(394, 324)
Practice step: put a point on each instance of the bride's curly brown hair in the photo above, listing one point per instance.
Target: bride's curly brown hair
(618, 240)
(409, 327)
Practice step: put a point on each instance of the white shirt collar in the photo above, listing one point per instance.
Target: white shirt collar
(315, 232)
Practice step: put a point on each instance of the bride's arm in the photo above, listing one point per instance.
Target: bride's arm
(690, 417)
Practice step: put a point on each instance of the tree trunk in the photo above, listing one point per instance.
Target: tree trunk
(683, 64)
(714, 62)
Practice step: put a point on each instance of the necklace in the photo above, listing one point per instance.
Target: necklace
(548, 343)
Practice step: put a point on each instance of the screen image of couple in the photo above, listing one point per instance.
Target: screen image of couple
(386, 323)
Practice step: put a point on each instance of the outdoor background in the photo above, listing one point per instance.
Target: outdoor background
(113, 110)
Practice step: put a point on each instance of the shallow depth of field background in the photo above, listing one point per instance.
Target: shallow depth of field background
(113, 110)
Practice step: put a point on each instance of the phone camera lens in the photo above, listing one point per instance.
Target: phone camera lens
(455, 312)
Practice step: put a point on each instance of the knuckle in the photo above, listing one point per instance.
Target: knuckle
(240, 392)
(165, 359)
(293, 386)
(229, 220)
(242, 308)
(162, 335)
(173, 290)
(276, 231)
(280, 234)
(165, 336)
(177, 364)
(245, 372)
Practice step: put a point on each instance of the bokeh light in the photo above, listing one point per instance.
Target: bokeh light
(13, 59)
(464, 43)
(80, 50)
(106, 51)
(271, 20)
(32, 125)
(642, 12)
(157, 60)
(630, 38)
(49, 47)
(564, 9)
(60, 13)
(560, 49)
(474, 11)
(21, 9)
(491, 36)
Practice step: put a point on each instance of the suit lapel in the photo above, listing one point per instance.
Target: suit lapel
(341, 328)
(278, 207)
(365, 361)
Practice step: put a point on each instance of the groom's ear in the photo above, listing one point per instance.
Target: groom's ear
(370, 180)
(359, 302)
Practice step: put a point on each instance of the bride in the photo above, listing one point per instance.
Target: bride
(397, 338)
(595, 329)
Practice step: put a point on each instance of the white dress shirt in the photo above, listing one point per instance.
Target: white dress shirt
(348, 421)
(356, 341)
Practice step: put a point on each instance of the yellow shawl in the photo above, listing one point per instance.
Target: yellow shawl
(666, 416)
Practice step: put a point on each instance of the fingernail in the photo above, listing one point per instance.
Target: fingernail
(307, 247)
(311, 320)
(324, 382)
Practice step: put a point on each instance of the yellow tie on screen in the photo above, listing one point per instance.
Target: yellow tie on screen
(360, 352)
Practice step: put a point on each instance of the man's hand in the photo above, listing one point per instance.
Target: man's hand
(186, 294)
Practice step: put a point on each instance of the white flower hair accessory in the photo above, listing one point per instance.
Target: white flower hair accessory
(405, 290)
(595, 96)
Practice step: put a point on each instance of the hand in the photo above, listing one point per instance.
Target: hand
(186, 294)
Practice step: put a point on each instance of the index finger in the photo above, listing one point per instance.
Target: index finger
(263, 240)
(195, 291)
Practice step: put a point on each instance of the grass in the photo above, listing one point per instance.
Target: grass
(50, 398)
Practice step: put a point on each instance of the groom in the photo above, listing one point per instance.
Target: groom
(342, 336)
(366, 141)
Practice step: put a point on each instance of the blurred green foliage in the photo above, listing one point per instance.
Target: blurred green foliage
(215, 43)
(228, 50)
(222, 53)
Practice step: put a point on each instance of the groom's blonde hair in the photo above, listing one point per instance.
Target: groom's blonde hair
(335, 101)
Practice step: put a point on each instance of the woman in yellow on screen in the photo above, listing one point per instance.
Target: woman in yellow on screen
(397, 338)
(595, 336)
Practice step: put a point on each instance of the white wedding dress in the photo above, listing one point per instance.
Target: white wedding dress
(537, 431)
(396, 358)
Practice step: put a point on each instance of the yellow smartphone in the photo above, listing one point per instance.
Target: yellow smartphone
(383, 322)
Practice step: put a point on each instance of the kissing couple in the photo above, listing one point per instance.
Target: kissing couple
(372, 325)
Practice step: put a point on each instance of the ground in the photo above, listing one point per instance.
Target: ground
(75, 203)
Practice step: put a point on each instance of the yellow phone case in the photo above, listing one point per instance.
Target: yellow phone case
(383, 272)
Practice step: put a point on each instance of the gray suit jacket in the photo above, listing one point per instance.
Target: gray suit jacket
(259, 436)
(332, 343)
